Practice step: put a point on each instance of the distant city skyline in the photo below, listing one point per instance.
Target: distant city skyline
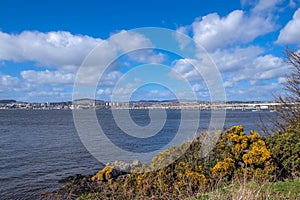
(43, 43)
(168, 104)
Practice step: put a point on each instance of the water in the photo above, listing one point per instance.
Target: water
(40, 147)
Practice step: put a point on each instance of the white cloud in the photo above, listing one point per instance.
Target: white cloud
(56, 49)
(258, 72)
(13, 84)
(266, 5)
(263, 6)
(181, 36)
(239, 66)
(235, 58)
(106, 91)
(139, 47)
(260, 92)
(125, 91)
(64, 50)
(281, 80)
(147, 56)
(290, 33)
(129, 41)
(228, 84)
(184, 70)
(158, 94)
(227, 61)
(8, 83)
(65, 78)
(49, 95)
(196, 87)
(213, 31)
(262, 68)
(48, 77)
(269, 67)
(110, 78)
(249, 64)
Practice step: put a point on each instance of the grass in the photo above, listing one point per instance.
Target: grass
(288, 189)
(252, 191)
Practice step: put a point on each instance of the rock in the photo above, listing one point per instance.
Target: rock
(116, 169)
(136, 163)
(122, 166)
(126, 167)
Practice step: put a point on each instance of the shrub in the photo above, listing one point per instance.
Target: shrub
(238, 154)
(285, 149)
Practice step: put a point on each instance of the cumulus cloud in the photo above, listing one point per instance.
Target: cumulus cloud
(255, 92)
(8, 83)
(125, 91)
(56, 49)
(230, 60)
(106, 91)
(138, 49)
(61, 53)
(48, 77)
(269, 67)
(147, 56)
(110, 78)
(158, 94)
(181, 36)
(197, 87)
(237, 65)
(290, 33)
(184, 70)
(257, 71)
(248, 64)
(53, 94)
(213, 31)
(129, 41)
(266, 5)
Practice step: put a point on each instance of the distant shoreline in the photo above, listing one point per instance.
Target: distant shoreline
(151, 105)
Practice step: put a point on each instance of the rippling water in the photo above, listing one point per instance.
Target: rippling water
(40, 147)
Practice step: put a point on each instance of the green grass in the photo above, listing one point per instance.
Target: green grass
(252, 191)
(286, 189)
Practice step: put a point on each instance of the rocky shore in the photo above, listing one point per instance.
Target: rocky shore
(73, 186)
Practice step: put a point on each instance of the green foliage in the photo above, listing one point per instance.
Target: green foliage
(285, 149)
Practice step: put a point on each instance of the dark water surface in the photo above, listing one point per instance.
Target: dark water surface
(40, 147)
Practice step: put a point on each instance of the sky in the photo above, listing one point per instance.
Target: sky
(43, 46)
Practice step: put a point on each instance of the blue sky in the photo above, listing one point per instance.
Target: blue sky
(43, 44)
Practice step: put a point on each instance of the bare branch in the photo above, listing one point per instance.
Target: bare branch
(289, 111)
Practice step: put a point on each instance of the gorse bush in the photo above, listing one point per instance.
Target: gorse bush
(238, 154)
(285, 150)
